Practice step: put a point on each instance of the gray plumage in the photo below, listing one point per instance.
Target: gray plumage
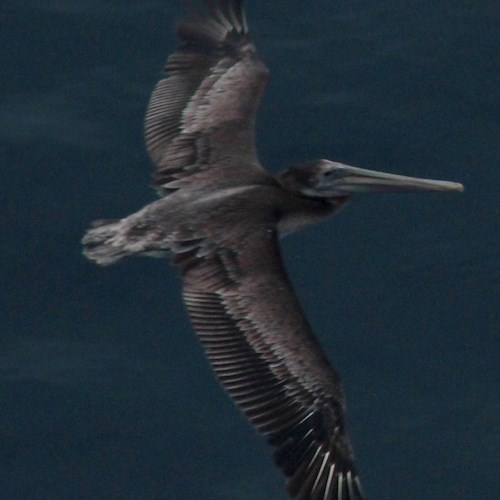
(220, 217)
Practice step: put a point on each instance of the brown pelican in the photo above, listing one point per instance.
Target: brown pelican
(220, 216)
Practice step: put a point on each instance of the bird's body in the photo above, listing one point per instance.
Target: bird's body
(220, 217)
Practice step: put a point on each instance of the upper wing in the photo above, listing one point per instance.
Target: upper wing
(263, 352)
(203, 115)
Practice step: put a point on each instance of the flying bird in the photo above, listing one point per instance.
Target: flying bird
(220, 217)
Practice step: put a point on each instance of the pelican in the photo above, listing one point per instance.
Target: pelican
(219, 217)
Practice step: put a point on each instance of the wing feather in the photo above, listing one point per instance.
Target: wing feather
(204, 113)
(265, 355)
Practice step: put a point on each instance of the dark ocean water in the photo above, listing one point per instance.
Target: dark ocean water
(104, 390)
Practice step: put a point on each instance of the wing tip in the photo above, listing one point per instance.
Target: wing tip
(214, 24)
(324, 481)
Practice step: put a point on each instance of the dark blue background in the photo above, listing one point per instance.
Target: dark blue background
(104, 390)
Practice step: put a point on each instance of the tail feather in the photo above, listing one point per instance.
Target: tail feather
(102, 243)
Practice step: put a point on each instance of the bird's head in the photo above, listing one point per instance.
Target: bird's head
(332, 180)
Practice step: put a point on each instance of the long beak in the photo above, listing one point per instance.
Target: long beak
(344, 179)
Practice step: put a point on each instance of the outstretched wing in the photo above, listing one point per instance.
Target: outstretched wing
(263, 352)
(200, 123)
